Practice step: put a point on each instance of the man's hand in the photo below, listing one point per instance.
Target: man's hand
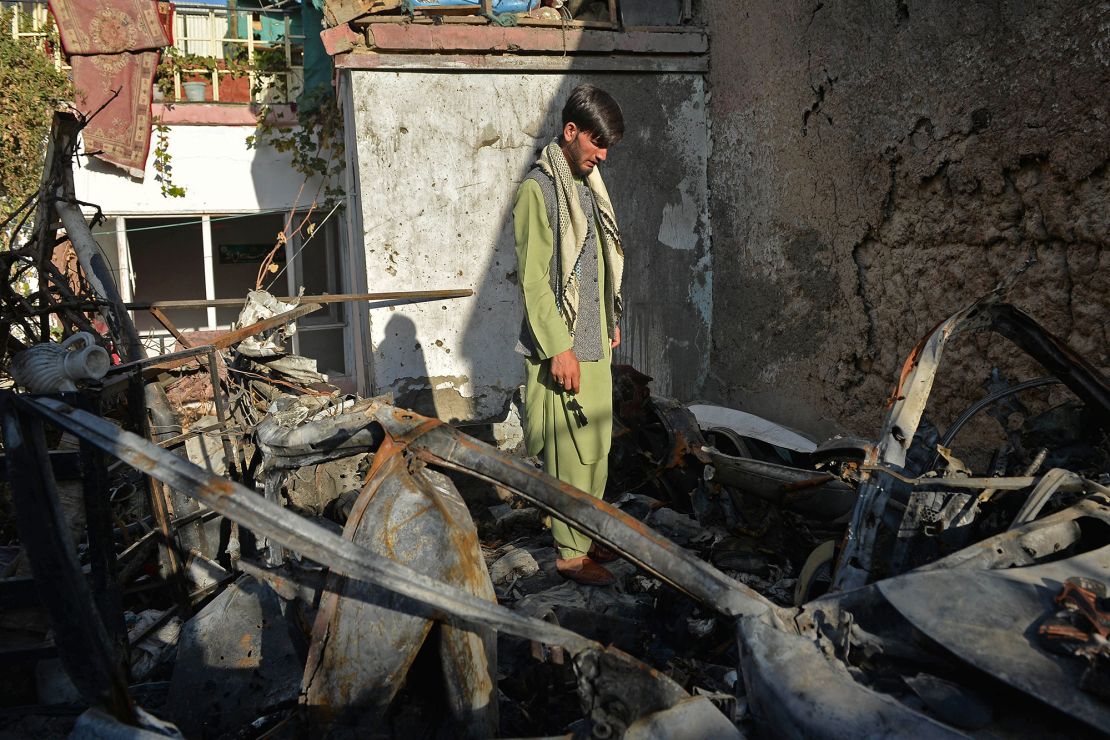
(565, 371)
(616, 338)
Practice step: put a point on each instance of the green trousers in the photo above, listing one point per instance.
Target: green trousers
(572, 434)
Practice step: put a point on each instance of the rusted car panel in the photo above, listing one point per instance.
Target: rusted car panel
(997, 641)
(366, 638)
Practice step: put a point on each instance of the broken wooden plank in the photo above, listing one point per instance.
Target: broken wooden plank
(154, 365)
(164, 320)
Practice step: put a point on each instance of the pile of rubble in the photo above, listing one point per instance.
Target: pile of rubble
(274, 558)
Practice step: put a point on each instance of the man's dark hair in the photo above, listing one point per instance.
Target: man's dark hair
(595, 111)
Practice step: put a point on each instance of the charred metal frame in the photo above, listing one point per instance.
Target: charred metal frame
(418, 436)
(440, 444)
(885, 464)
(252, 510)
(83, 640)
(617, 687)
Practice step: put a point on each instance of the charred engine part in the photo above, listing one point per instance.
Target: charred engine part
(658, 450)
(615, 696)
(821, 496)
(316, 489)
(287, 447)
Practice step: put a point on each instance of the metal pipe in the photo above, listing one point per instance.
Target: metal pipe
(399, 295)
(344, 557)
(441, 444)
(99, 275)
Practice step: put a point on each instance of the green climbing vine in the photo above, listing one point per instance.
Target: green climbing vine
(31, 89)
(315, 144)
(163, 163)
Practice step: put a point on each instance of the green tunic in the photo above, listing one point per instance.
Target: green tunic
(572, 432)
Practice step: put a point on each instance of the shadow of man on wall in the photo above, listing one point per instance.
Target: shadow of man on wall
(413, 390)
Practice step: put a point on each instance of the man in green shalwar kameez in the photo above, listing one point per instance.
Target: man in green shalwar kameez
(570, 264)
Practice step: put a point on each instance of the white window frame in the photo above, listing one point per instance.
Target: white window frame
(293, 243)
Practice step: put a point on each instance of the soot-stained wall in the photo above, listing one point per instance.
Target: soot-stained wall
(877, 165)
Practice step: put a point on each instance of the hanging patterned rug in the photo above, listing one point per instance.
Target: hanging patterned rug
(114, 48)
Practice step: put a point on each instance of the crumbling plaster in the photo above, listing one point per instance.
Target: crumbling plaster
(878, 164)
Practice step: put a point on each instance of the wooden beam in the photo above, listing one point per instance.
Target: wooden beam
(485, 39)
(398, 295)
(478, 20)
(148, 368)
(517, 64)
(164, 320)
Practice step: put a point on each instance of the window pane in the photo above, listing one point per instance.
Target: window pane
(168, 263)
(326, 347)
(238, 247)
(318, 271)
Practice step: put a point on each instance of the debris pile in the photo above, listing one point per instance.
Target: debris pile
(217, 543)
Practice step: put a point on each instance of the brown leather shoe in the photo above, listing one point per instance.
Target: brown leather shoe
(585, 571)
(602, 554)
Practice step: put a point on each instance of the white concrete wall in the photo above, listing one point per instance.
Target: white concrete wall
(219, 173)
(439, 157)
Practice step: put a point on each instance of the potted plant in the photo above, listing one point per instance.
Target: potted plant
(195, 72)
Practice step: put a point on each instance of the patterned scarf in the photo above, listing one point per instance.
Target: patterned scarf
(572, 233)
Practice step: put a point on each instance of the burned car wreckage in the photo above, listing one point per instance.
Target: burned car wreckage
(942, 602)
(217, 543)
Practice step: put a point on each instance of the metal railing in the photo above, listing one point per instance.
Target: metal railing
(203, 30)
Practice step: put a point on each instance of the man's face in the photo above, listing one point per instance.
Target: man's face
(581, 151)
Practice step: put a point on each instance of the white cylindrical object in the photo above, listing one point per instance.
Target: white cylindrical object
(50, 367)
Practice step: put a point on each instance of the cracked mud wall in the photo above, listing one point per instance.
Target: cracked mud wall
(877, 165)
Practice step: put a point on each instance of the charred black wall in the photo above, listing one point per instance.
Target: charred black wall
(878, 164)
